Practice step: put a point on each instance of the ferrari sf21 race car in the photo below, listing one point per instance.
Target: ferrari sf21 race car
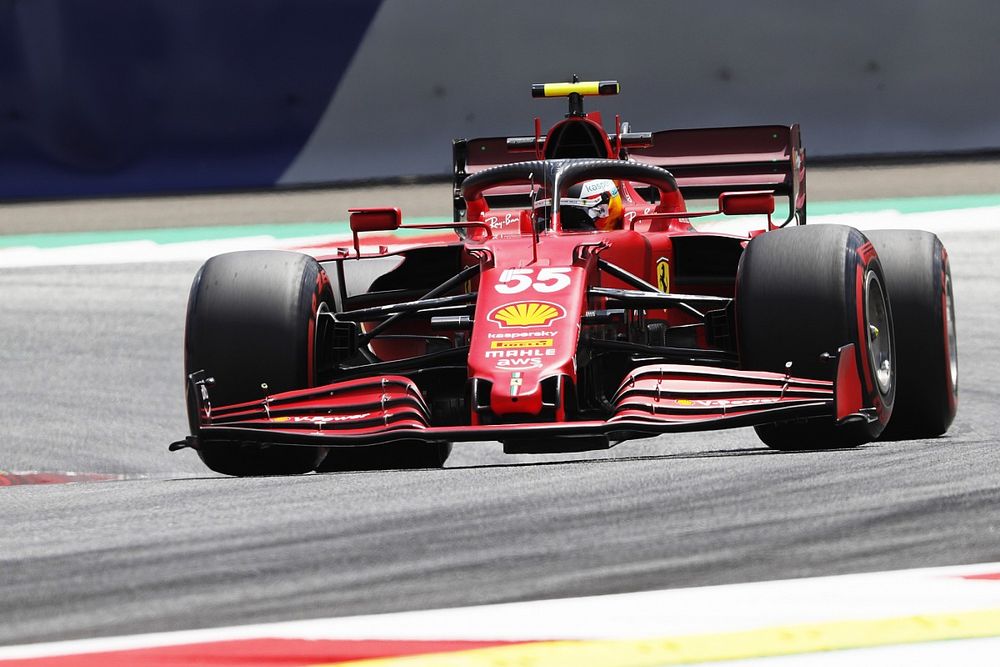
(576, 307)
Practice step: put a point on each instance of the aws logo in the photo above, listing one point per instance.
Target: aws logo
(526, 314)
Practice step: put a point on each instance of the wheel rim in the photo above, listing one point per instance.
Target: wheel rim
(952, 338)
(879, 334)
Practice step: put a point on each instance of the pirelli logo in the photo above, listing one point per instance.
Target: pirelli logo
(520, 344)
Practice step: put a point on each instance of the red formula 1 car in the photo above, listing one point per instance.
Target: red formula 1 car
(577, 307)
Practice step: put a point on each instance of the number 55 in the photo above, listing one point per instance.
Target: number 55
(515, 281)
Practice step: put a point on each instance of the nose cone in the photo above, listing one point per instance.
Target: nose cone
(520, 340)
(517, 397)
(515, 359)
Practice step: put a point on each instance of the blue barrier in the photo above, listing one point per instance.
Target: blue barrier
(104, 97)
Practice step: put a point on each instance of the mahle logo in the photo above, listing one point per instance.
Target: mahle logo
(526, 314)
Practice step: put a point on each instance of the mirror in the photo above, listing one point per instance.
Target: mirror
(760, 202)
(375, 219)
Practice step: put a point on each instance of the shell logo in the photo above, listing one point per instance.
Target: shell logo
(526, 314)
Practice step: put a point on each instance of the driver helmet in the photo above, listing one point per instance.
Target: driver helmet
(594, 204)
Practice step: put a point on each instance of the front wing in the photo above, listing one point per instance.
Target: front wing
(652, 399)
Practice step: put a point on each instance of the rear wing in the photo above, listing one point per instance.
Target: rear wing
(705, 162)
(709, 161)
(470, 156)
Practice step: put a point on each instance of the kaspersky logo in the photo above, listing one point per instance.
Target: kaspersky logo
(526, 314)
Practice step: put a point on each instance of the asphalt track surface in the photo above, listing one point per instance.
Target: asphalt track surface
(90, 379)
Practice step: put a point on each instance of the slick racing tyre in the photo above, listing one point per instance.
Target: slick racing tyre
(805, 291)
(918, 277)
(252, 320)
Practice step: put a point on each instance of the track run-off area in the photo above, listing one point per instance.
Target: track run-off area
(660, 551)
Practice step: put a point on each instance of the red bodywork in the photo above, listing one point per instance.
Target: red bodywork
(554, 339)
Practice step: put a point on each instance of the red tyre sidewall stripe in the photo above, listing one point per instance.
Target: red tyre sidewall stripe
(321, 282)
(863, 352)
(866, 253)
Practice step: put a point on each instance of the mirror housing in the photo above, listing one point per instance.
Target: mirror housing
(757, 202)
(375, 219)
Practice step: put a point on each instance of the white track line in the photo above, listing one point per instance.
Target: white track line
(986, 218)
(685, 611)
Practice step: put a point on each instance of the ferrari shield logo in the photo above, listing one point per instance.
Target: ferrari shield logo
(663, 274)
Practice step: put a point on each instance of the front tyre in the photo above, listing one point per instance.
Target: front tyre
(918, 276)
(805, 291)
(252, 320)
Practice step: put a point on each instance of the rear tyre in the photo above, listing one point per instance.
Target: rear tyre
(252, 320)
(918, 277)
(805, 291)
